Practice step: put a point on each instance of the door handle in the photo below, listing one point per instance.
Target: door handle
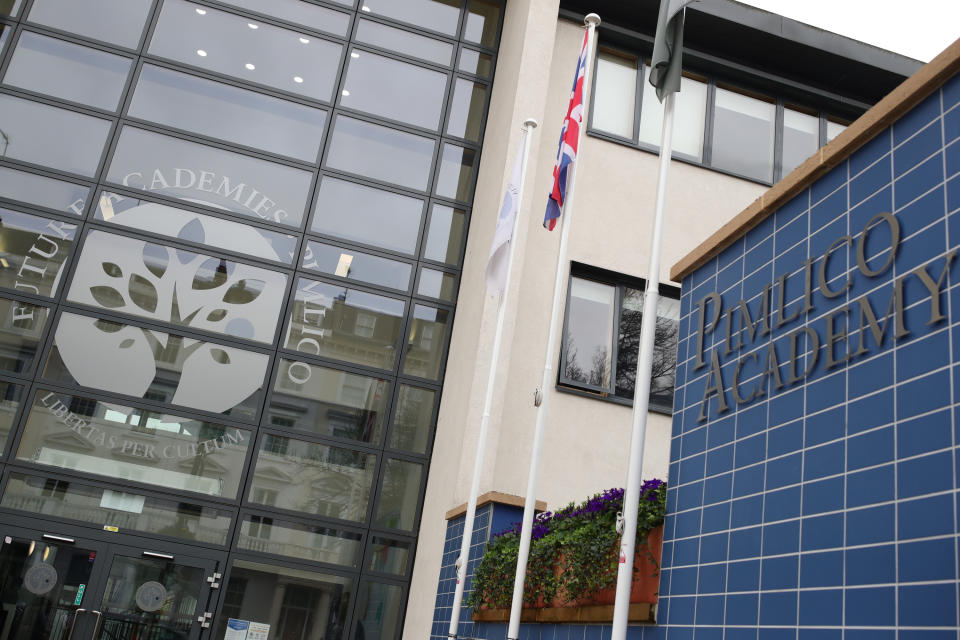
(96, 626)
(50, 536)
(73, 626)
(155, 554)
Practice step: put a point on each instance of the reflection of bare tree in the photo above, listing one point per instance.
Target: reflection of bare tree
(6, 142)
(664, 354)
(600, 368)
(572, 370)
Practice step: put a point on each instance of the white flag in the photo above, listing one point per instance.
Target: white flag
(500, 249)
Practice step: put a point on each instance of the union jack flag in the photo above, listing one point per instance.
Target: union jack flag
(569, 137)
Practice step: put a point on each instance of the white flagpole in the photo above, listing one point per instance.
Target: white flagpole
(528, 126)
(544, 392)
(641, 393)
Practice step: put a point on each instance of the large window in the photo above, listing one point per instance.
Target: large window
(601, 336)
(716, 125)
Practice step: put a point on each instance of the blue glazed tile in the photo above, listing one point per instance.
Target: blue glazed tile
(925, 517)
(710, 610)
(823, 461)
(820, 634)
(924, 475)
(791, 233)
(869, 449)
(827, 392)
(779, 573)
(784, 471)
(690, 496)
(729, 255)
(923, 395)
(734, 633)
(754, 283)
(828, 183)
(869, 634)
(869, 153)
(821, 569)
(870, 607)
(717, 489)
(782, 504)
(868, 526)
(783, 537)
(683, 581)
(870, 486)
(745, 543)
(821, 608)
(713, 548)
(927, 634)
(681, 610)
(929, 605)
(715, 518)
(743, 576)
(918, 181)
(872, 411)
(785, 439)
(704, 273)
(912, 152)
(932, 432)
(747, 511)
(870, 181)
(750, 450)
(927, 560)
(680, 633)
(720, 432)
(916, 251)
(712, 578)
(823, 237)
(822, 496)
(692, 469)
(871, 565)
(952, 153)
(825, 426)
(748, 481)
(828, 209)
(707, 633)
(870, 376)
(779, 608)
(917, 118)
(951, 93)
(862, 213)
(730, 276)
(688, 524)
(685, 552)
(742, 609)
(757, 256)
(786, 407)
(921, 212)
(822, 532)
(797, 206)
(759, 232)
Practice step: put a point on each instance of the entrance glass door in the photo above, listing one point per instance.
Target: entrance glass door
(55, 587)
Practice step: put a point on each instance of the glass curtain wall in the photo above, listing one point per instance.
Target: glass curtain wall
(231, 236)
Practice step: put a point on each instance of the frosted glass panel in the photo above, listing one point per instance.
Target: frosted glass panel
(616, 90)
(687, 120)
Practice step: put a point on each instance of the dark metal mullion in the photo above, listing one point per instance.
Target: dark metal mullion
(778, 135)
(619, 292)
(709, 114)
(637, 99)
(283, 23)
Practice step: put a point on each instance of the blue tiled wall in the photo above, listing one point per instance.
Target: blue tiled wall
(828, 508)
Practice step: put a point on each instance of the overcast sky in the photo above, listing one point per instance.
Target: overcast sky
(916, 28)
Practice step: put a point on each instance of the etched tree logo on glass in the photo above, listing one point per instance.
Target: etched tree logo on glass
(176, 287)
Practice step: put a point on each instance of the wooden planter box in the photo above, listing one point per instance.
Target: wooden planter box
(599, 607)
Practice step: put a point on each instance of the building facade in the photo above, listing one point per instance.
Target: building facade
(235, 236)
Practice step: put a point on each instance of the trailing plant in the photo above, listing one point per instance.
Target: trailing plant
(581, 539)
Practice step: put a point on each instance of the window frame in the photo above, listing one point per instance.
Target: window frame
(619, 282)
(712, 80)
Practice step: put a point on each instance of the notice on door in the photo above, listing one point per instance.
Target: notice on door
(246, 630)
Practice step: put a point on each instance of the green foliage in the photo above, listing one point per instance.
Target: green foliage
(573, 553)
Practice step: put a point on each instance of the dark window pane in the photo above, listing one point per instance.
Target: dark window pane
(589, 334)
(483, 18)
(436, 15)
(479, 64)
(332, 321)
(195, 227)
(163, 367)
(109, 508)
(34, 132)
(115, 21)
(445, 235)
(69, 71)
(416, 94)
(178, 287)
(306, 600)
(128, 443)
(223, 179)
(379, 610)
(411, 44)
(314, 478)
(367, 215)
(428, 334)
(412, 418)
(250, 50)
(389, 556)
(380, 153)
(354, 265)
(455, 178)
(236, 115)
(801, 138)
(20, 330)
(43, 191)
(399, 495)
(299, 13)
(437, 284)
(34, 252)
(743, 135)
(664, 350)
(467, 107)
(285, 538)
(328, 402)
(11, 395)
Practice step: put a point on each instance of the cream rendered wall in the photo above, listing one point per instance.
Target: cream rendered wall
(587, 439)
